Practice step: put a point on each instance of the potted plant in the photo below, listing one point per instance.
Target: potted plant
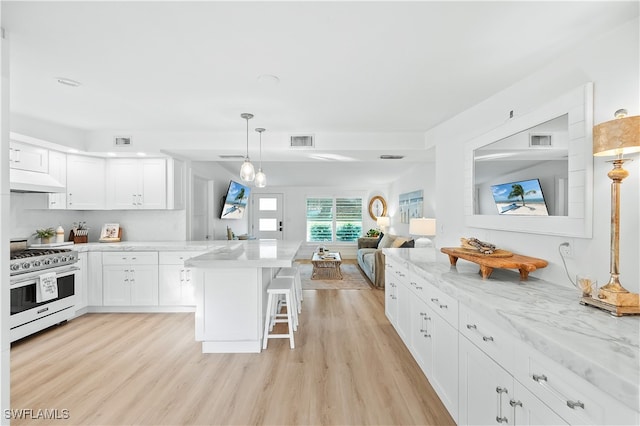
(45, 234)
(373, 233)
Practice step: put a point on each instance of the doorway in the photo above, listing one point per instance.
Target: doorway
(268, 216)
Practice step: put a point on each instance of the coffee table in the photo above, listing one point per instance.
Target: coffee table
(326, 266)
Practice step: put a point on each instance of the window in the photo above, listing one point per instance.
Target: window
(334, 219)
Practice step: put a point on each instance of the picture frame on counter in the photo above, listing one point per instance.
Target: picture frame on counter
(110, 233)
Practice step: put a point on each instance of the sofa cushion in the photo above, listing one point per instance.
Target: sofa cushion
(398, 242)
(386, 241)
(408, 244)
(369, 259)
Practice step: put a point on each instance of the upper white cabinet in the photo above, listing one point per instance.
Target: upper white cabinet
(137, 184)
(176, 184)
(23, 156)
(85, 182)
(58, 170)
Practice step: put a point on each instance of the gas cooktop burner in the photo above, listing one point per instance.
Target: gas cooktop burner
(35, 252)
(28, 260)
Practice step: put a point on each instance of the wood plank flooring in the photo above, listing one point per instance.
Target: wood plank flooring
(349, 368)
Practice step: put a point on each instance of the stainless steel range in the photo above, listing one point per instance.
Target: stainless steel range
(30, 311)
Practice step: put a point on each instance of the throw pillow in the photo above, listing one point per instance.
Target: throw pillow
(399, 242)
(379, 238)
(386, 242)
(408, 244)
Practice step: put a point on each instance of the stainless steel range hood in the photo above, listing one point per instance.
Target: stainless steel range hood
(28, 181)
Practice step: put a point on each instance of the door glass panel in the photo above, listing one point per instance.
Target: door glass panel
(268, 224)
(268, 204)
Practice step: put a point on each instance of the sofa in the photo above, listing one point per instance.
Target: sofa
(370, 256)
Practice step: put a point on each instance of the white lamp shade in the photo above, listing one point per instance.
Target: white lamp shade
(422, 226)
(383, 221)
(247, 172)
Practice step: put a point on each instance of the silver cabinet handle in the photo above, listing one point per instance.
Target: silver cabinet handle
(134, 199)
(444, 307)
(543, 380)
(574, 404)
(418, 288)
(472, 327)
(434, 300)
(500, 418)
(487, 338)
(539, 378)
(475, 327)
(514, 403)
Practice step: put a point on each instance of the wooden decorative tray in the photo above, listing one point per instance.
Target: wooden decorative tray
(472, 252)
(524, 264)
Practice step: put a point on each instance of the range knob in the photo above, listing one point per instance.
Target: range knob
(15, 267)
(26, 265)
(35, 263)
(46, 261)
(63, 258)
(55, 260)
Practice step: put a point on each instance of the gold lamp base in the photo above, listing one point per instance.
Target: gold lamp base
(615, 299)
(617, 311)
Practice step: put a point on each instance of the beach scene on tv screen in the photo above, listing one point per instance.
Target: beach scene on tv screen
(235, 202)
(520, 198)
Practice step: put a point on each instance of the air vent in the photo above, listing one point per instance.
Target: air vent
(231, 156)
(122, 141)
(391, 157)
(302, 141)
(540, 140)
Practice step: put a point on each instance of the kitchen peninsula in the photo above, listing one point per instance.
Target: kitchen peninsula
(230, 283)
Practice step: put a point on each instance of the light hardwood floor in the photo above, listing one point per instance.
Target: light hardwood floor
(349, 367)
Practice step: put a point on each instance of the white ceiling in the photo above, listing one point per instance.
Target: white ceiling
(343, 66)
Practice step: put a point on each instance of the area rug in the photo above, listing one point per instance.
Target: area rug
(352, 279)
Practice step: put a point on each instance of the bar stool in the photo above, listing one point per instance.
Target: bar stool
(294, 273)
(278, 288)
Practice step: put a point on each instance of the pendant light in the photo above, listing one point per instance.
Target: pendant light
(261, 178)
(247, 172)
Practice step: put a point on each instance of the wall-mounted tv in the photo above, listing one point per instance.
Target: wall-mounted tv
(235, 202)
(520, 198)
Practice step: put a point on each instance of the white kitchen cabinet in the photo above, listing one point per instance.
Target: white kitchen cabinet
(32, 158)
(58, 170)
(137, 183)
(403, 324)
(175, 286)
(85, 182)
(176, 184)
(391, 293)
(421, 337)
(94, 278)
(130, 279)
(81, 283)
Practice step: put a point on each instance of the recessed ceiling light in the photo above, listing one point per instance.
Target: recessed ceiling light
(68, 81)
(268, 79)
(391, 157)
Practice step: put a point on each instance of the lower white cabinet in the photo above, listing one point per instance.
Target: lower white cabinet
(390, 294)
(81, 282)
(130, 279)
(490, 395)
(175, 286)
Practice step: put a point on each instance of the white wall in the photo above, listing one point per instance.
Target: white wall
(612, 63)
(419, 178)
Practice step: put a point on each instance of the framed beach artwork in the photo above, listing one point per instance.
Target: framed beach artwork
(410, 205)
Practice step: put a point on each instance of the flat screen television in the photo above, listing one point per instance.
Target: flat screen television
(235, 202)
(520, 198)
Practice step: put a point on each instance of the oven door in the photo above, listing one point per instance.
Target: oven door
(24, 307)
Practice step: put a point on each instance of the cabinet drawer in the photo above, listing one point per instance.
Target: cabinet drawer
(397, 270)
(488, 337)
(444, 305)
(573, 398)
(176, 257)
(130, 258)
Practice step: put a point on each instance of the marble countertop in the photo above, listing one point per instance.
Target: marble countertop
(151, 246)
(251, 253)
(602, 349)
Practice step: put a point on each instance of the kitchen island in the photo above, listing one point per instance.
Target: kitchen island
(230, 283)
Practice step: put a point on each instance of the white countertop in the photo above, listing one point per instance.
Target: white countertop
(602, 349)
(251, 253)
(151, 246)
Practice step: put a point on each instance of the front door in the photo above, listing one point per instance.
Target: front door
(268, 216)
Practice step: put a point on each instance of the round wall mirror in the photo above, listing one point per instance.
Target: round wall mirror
(377, 207)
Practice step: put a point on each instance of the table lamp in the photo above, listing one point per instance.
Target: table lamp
(616, 138)
(383, 222)
(423, 227)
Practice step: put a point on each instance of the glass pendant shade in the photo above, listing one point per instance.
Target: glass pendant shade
(247, 172)
(260, 179)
